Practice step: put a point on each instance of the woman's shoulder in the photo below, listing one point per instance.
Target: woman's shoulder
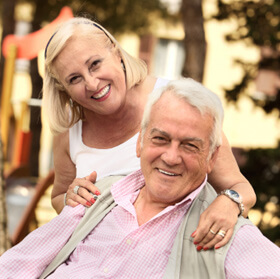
(160, 82)
(61, 136)
(148, 85)
(151, 83)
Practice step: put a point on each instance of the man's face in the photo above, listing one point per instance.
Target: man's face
(174, 150)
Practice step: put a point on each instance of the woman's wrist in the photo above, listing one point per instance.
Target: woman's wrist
(235, 197)
(64, 199)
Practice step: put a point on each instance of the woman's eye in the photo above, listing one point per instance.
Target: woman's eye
(94, 64)
(74, 80)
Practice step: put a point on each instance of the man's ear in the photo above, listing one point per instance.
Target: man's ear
(213, 159)
(138, 145)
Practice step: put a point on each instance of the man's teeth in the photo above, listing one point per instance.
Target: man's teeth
(102, 93)
(167, 173)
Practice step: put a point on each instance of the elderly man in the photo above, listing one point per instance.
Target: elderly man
(142, 228)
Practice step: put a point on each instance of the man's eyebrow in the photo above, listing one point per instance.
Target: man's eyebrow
(186, 139)
(192, 139)
(156, 130)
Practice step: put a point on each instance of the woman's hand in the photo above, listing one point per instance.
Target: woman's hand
(86, 192)
(217, 220)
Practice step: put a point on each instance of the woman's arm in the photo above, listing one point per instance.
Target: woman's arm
(226, 175)
(64, 168)
(64, 182)
(222, 214)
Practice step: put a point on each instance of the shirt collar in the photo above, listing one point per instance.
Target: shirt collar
(135, 181)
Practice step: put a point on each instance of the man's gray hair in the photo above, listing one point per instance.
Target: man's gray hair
(198, 96)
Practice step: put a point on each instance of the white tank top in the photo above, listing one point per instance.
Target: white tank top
(119, 160)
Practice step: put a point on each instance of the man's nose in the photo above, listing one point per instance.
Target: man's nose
(172, 155)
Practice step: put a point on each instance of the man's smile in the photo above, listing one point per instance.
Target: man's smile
(167, 173)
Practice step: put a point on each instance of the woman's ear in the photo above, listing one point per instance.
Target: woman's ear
(123, 66)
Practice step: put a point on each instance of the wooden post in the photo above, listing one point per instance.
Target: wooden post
(21, 150)
(5, 242)
(6, 106)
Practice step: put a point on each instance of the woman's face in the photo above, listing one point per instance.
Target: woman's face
(92, 75)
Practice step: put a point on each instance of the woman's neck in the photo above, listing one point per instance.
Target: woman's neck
(106, 131)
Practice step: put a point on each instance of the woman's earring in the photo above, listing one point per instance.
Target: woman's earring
(123, 66)
(71, 102)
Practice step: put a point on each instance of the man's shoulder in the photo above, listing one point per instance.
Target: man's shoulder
(106, 182)
(207, 194)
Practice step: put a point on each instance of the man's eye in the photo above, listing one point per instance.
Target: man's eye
(190, 146)
(159, 140)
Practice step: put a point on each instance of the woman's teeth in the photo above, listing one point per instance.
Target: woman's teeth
(102, 93)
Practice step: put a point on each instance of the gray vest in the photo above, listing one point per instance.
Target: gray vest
(184, 261)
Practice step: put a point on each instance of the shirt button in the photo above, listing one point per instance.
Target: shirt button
(105, 270)
(128, 241)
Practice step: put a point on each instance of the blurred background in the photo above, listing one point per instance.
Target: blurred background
(231, 46)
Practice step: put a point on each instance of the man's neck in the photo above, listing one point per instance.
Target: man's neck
(145, 208)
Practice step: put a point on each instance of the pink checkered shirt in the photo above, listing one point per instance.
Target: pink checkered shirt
(119, 248)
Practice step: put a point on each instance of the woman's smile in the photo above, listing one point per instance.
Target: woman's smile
(102, 94)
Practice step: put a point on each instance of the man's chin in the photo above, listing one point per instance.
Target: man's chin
(164, 196)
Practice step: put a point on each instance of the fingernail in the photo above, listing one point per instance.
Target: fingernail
(97, 193)
(88, 203)
(195, 242)
(193, 234)
(217, 247)
(92, 200)
(198, 248)
(205, 248)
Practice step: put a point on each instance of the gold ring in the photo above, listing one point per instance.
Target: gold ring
(211, 231)
(221, 233)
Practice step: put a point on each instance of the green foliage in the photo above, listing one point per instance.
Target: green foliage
(117, 16)
(249, 72)
(123, 15)
(258, 23)
(269, 105)
(262, 169)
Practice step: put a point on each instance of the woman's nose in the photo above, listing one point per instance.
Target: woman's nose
(91, 83)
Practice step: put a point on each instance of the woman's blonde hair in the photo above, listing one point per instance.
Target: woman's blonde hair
(57, 104)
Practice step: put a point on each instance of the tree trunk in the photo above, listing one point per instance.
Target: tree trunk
(35, 120)
(194, 41)
(8, 27)
(35, 112)
(5, 243)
